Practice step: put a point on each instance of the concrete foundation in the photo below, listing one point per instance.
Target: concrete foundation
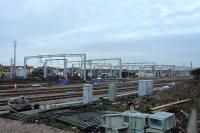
(145, 87)
(112, 92)
(87, 93)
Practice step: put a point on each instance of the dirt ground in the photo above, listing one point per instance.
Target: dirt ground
(188, 89)
(182, 90)
(12, 126)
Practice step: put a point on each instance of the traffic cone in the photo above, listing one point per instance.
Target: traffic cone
(15, 87)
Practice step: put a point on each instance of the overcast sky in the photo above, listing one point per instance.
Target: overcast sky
(163, 31)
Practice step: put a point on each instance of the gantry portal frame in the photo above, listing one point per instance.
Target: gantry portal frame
(119, 65)
(94, 66)
(82, 56)
(183, 71)
(48, 60)
(100, 63)
(167, 67)
(101, 67)
(80, 63)
(140, 66)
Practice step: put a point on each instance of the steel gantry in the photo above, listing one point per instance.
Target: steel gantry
(162, 68)
(119, 63)
(92, 67)
(183, 71)
(100, 64)
(80, 63)
(140, 67)
(45, 66)
(40, 57)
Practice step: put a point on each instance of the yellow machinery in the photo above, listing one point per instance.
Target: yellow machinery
(3, 71)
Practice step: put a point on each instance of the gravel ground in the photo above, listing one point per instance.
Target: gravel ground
(12, 126)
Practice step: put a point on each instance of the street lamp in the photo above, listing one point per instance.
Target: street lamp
(15, 44)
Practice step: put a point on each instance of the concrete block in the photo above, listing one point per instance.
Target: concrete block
(136, 120)
(151, 130)
(145, 87)
(162, 121)
(112, 92)
(114, 123)
(87, 93)
(139, 131)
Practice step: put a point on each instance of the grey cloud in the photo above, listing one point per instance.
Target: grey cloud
(69, 26)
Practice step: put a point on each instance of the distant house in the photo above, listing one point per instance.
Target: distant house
(5, 71)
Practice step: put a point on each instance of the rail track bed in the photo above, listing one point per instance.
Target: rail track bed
(41, 94)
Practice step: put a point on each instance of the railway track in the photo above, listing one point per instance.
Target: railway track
(26, 85)
(52, 90)
(21, 89)
(35, 85)
(65, 96)
(40, 95)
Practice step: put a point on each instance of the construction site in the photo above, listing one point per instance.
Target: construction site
(99, 66)
(71, 93)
